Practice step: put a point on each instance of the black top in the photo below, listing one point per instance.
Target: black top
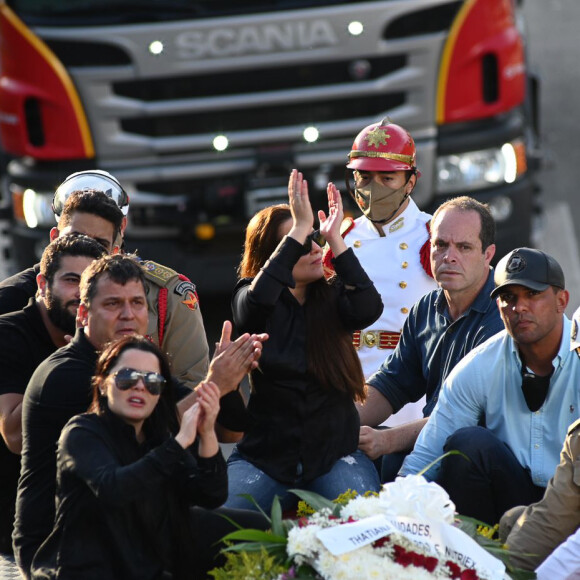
(122, 506)
(59, 389)
(16, 291)
(24, 344)
(293, 421)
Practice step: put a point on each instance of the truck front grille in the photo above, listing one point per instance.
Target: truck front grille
(257, 80)
(263, 117)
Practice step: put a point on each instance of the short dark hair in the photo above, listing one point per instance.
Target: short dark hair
(69, 245)
(95, 202)
(120, 268)
(466, 203)
(164, 418)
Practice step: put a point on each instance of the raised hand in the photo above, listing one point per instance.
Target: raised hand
(233, 360)
(208, 397)
(302, 216)
(188, 427)
(330, 225)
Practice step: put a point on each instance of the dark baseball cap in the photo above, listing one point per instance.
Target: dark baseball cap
(530, 268)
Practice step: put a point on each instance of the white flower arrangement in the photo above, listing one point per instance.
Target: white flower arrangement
(407, 531)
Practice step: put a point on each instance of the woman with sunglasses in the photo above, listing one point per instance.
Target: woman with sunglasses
(302, 425)
(127, 474)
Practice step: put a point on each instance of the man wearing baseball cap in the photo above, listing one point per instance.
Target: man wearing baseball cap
(507, 405)
(533, 532)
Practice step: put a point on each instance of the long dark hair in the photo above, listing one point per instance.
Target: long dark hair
(163, 420)
(331, 356)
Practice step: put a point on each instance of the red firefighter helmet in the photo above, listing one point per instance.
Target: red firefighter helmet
(383, 146)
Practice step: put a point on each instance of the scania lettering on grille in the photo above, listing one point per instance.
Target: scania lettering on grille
(225, 42)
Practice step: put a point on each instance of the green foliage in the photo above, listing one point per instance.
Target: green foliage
(317, 501)
(305, 509)
(255, 565)
(486, 537)
(435, 461)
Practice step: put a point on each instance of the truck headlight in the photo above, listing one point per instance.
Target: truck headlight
(479, 169)
(37, 209)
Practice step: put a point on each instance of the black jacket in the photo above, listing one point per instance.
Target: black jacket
(123, 507)
(293, 421)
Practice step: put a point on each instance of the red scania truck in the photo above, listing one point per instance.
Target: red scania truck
(201, 109)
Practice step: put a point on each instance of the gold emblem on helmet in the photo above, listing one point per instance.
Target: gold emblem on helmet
(377, 137)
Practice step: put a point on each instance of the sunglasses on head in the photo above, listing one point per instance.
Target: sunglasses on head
(315, 236)
(125, 379)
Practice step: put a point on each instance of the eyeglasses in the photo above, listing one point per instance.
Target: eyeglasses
(96, 180)
(125, 379)
(315, 236)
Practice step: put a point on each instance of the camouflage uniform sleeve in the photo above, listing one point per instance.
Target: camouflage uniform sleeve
(546, 524)
(173, 299)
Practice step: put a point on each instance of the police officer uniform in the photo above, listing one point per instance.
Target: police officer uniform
(175, 322)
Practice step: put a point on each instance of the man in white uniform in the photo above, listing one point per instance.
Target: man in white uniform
(390, 239)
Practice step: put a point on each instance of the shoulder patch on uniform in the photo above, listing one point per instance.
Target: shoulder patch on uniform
(157, 273)
(190, 300)
(183, 287)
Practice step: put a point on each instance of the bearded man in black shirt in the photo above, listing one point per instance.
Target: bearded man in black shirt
(27, 337)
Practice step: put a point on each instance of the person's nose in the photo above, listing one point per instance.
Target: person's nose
(127, 311)
(450, 254)
(315, 249)
(519, 304)
(140, 384)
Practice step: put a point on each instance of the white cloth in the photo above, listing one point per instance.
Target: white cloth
(393, 263)
(564, 562)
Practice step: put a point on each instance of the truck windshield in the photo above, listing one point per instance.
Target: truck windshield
(75, 12)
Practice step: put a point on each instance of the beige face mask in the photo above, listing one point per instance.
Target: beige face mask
(378, 202)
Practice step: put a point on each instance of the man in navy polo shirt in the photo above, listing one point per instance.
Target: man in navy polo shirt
(440, 330)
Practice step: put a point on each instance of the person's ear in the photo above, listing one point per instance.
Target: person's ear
(83, 315)
(489, 253)
(54, 233)
(562, 298)
(41, 283)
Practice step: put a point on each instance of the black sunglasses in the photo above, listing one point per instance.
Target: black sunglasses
(128, 378)
(315, 236)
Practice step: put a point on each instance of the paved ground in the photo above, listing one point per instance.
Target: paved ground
(8, 569)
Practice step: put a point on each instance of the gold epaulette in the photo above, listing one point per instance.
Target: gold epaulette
(157, 273)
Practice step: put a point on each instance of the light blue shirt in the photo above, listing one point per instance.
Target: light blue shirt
(486, 384)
